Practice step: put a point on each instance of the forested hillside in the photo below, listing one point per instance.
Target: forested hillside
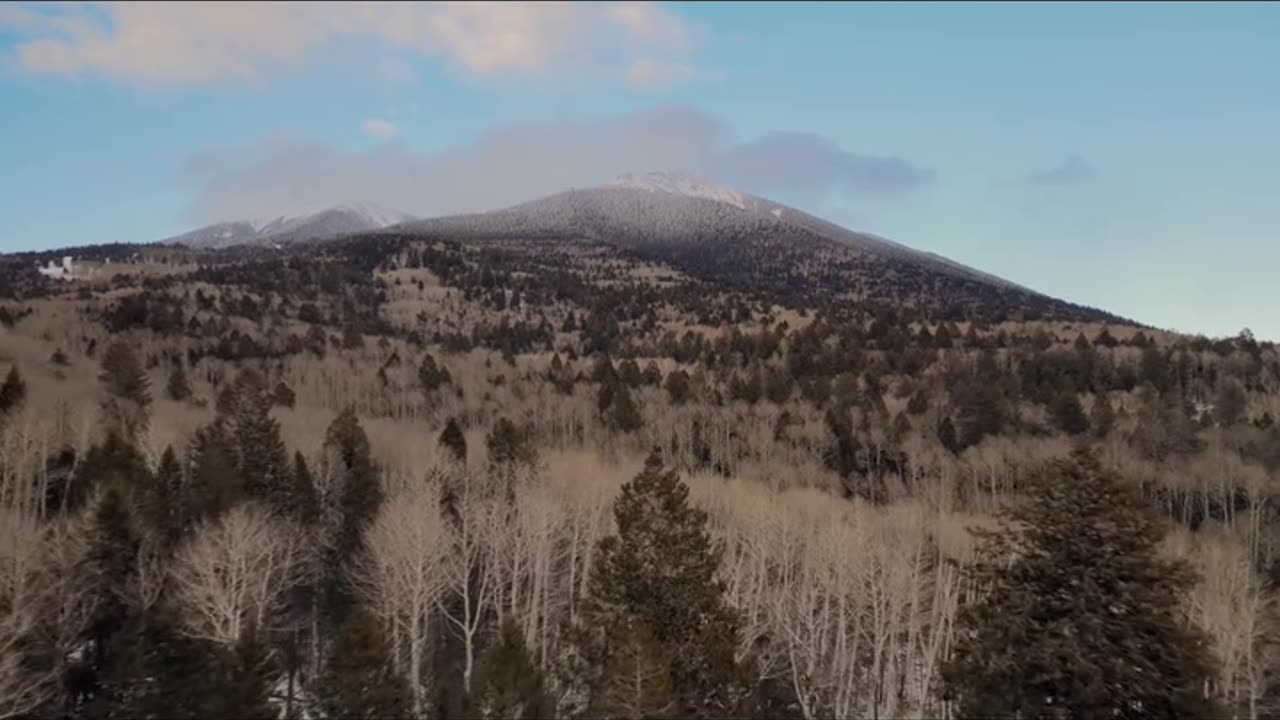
(405, 475)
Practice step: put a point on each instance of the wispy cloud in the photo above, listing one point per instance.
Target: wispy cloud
(170, 43)
(516, 163)
(648, 73)
(384, 129)
(1075, 170)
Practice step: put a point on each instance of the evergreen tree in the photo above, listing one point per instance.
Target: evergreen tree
(154, 664)
(1102, 417)
(303, 495)
(656, 593)
(1068, 414)
(243, 680)
(619, 409)
(1229, 403)
(13, 391)
(900, 427)
(358, 681)
(178, 388)
(947, 436)
(283, 395)
(163, 503)
(1079, 612)
(918, 403)
(432, 375)
(636, 678)
(214, 484)
(115, 464)
(507, 685)
(360, 494)
(678, 388)
(452, 440)
(509, 445)
(109, 568)
(980, 409)
(652, 375)
(128, 393)
(262, 460)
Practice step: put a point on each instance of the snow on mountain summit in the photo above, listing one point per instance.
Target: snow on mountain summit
(319, 225)
(682, 185)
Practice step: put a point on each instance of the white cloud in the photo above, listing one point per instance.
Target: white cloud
(167, 43)
(384, 129)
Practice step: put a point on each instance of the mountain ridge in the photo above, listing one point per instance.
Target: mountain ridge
(322, 224)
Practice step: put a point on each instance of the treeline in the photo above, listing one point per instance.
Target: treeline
(232, 579)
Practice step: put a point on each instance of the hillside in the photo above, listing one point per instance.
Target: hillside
(406, 411)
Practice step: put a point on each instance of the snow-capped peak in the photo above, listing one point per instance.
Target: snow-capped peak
(682, 185)
(313, 224)
(376, 214)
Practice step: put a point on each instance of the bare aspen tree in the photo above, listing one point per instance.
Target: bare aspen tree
(21, 690)
(401, 575)
(236, 570)
(471, 524)
(1233, 606)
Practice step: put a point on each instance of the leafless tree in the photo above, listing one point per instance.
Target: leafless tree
(236, 570)
(20, 548)
(402, 575)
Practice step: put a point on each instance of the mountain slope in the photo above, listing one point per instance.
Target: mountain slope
(749, 243)
(672, 209)
(322, 225)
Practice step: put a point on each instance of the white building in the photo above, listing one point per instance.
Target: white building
(65, 271)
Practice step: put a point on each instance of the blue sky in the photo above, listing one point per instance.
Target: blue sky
(1122, 155)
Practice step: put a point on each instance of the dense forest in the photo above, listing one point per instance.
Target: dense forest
(411, 476)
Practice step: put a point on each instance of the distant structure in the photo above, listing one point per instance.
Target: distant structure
(65, 271)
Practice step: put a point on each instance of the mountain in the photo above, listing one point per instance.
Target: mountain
(748, 242)
(663, 209)
(322, 225)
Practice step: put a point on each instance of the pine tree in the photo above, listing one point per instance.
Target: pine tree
(637, 677)
(127, 387)
(1068, 414)
(163, 503)
(358, 681)
(214, 484)
(1079, 612)
(243, 679)
(507, 685)
(13, 391)
(432, 375)
(1229, 403)
(360, 494)
(652, 375)
(619, 409)
(678, 388)
(452, 440)
(262, 460)
(109, 567)
(1102, 417)
(283, 395)
(509, 445)
(656, 592)
(918, 403)
(115, 464)
(303, 495)
(154, 664)
(178, 388)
